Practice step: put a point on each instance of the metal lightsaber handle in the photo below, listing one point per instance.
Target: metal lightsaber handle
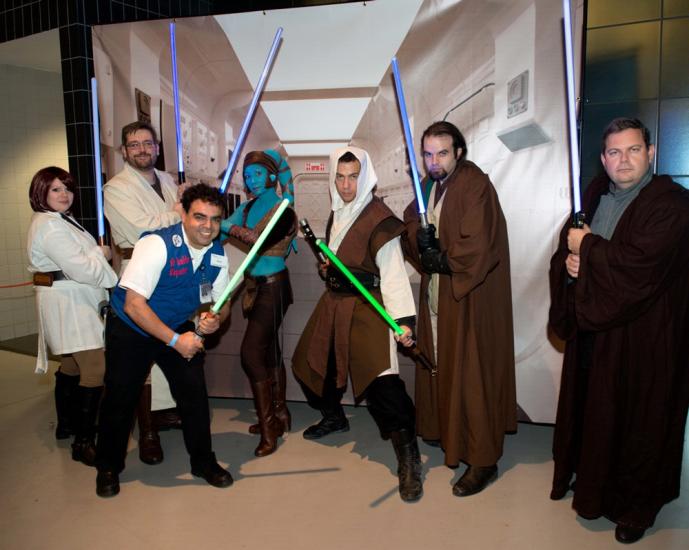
(410, 143)
(310, 239)
(232, 164)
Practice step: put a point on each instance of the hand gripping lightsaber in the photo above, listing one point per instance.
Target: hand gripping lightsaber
(175, 94)
(96, 159)
(410, 143)
(414, 351)
(234, 157)
(310, 239)
(575, 169)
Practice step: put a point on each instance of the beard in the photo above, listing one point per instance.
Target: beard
(438, 174)
(142, 161)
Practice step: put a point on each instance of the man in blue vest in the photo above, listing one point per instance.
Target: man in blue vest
(172, 272)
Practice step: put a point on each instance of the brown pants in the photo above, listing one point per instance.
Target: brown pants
(89, 364)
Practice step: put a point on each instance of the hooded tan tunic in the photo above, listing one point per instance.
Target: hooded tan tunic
(471, 403)
(346, 321)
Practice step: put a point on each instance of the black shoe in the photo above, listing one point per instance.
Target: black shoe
(107, 484)
(475, 480)
(84, 452)
(167, 419)
(327, 425)
(628, 535)
(150, 451)
(431, 442)
(215, 475)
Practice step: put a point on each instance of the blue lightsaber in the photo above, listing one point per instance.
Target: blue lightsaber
(175, 93)
(232, 164)
(575, 169)
(410, 143)
(96, 158)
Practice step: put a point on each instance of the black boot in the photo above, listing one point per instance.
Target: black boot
(84, 446)
(333, 421)
(65, 395)
(408, 465)
(475, 480)
(150, 451)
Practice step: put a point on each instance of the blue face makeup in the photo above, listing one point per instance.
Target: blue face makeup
(255, 178)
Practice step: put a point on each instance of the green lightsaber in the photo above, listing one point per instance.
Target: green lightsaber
(361, 288)
(413, 350)
(249, 257)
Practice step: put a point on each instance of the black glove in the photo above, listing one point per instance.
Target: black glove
(434, 261)
(425, 238)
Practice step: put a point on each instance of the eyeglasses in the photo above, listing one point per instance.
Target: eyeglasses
(148, 144)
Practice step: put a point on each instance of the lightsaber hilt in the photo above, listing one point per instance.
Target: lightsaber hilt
(96, 160)
(410, 143)
(175, 95)
(234, 157)
(310, 239)
(394, 325)
(575, 168)
(579, 219)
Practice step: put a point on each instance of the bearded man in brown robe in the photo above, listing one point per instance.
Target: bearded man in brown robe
(620, 300)
(465, 311)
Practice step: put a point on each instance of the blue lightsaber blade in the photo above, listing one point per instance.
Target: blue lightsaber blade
(410, 142)
(575, 169)
(97, 164)
(232, 164)
(175, 93)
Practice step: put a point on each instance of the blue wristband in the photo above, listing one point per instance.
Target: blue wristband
(173, 341)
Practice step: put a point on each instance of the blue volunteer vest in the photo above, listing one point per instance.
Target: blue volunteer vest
(177, 295)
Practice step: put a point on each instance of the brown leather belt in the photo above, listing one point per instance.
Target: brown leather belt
(265, 279)
(126, 253)
(47, 278)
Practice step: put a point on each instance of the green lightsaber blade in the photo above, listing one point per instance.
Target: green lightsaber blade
(249, 257)
(361, 288)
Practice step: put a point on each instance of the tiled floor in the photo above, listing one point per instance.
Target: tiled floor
(332, 495)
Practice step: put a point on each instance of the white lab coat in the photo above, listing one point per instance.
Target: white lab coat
(68, 316)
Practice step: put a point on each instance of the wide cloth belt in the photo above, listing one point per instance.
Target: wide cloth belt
(251, 285)
(337, 282)
(47, 278)
(126, 253)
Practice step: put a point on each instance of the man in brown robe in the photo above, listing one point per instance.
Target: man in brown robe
(345, 335)
(465, 311)
(620, 300)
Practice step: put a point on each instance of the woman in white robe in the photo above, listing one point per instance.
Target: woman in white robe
(71, 278)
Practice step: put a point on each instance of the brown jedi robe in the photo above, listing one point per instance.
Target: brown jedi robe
(472, 402)
(346, 321)
(625, 380)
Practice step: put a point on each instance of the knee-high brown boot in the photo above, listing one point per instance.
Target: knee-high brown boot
(270, 427)
(278, 380)
(150, 451)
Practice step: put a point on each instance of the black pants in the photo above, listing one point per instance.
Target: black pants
(388, 402)
(128, 359)
(260, 350)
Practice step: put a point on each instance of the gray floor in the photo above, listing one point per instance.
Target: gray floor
(333, 495)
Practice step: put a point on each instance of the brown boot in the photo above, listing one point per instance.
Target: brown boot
(150, 451)
(270, 426)
(279, 385)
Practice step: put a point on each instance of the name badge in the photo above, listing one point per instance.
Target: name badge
(206, 292)
(218, 261)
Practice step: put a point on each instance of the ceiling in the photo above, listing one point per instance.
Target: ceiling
(327, 69)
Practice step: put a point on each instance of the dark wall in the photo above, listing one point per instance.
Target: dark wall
(637, 65)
